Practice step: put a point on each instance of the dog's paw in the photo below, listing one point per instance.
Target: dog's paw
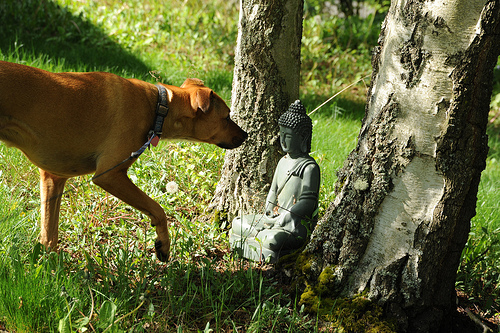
(162, 253)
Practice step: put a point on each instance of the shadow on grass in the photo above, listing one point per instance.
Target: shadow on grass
(42, 28)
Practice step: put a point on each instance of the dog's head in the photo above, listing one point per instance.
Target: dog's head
(208, 120)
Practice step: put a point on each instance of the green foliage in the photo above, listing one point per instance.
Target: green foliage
(335, 49)
(28, 282)
(495, 99)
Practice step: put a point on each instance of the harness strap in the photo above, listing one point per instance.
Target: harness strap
(161, 112)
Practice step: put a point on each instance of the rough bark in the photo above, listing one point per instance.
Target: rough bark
(265, 82)
(406, 194)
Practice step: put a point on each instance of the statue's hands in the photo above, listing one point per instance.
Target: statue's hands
(282, 220)
(268, 224)
(259, 227)
(271, 209)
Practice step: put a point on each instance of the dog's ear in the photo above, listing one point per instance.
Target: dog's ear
(203, 99)
(193, 82)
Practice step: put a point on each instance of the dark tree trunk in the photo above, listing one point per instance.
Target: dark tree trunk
(407, 193)
(265, 83)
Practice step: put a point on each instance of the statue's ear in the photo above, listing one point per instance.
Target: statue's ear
(203, 99)
(305, 146)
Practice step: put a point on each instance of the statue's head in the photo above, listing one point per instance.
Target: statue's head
(296, 122)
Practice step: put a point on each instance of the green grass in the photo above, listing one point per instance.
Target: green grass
(106, 277)
(479, 271)
(334, 136)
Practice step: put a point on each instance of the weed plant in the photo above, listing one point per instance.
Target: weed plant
(106, 277)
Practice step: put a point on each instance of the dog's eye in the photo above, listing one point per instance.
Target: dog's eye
(228, 118)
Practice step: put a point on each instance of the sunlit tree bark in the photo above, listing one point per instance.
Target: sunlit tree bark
(265, 83)
(407, 193)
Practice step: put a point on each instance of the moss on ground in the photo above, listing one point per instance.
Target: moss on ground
(346, 314)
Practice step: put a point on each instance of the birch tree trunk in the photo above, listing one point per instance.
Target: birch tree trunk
(407, 193)
(265, 82)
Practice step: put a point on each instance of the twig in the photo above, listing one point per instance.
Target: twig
(495, 117)
(91, 309)
(328, 100)
(478, 321)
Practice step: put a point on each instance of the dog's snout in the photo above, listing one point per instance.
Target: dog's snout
(245, 136)
(238, 141)
(235, 142)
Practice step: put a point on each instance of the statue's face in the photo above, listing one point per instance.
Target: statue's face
(291, 142)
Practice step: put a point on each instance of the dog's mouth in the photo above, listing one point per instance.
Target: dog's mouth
(236, 142)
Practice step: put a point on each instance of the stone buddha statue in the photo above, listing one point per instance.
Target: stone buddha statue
(292, 201)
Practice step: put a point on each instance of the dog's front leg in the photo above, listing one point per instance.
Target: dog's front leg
(51, 189)
(118, 184)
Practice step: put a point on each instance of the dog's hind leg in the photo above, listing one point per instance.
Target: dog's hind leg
(117, 183)
(51, 189)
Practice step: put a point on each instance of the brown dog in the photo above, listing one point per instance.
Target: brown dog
(70, 124)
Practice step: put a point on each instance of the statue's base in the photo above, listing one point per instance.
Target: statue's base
(250, 248)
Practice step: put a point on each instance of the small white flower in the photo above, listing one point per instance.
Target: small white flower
(172, 187)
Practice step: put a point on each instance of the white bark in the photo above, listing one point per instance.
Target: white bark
(406, 194)
(423, 96)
